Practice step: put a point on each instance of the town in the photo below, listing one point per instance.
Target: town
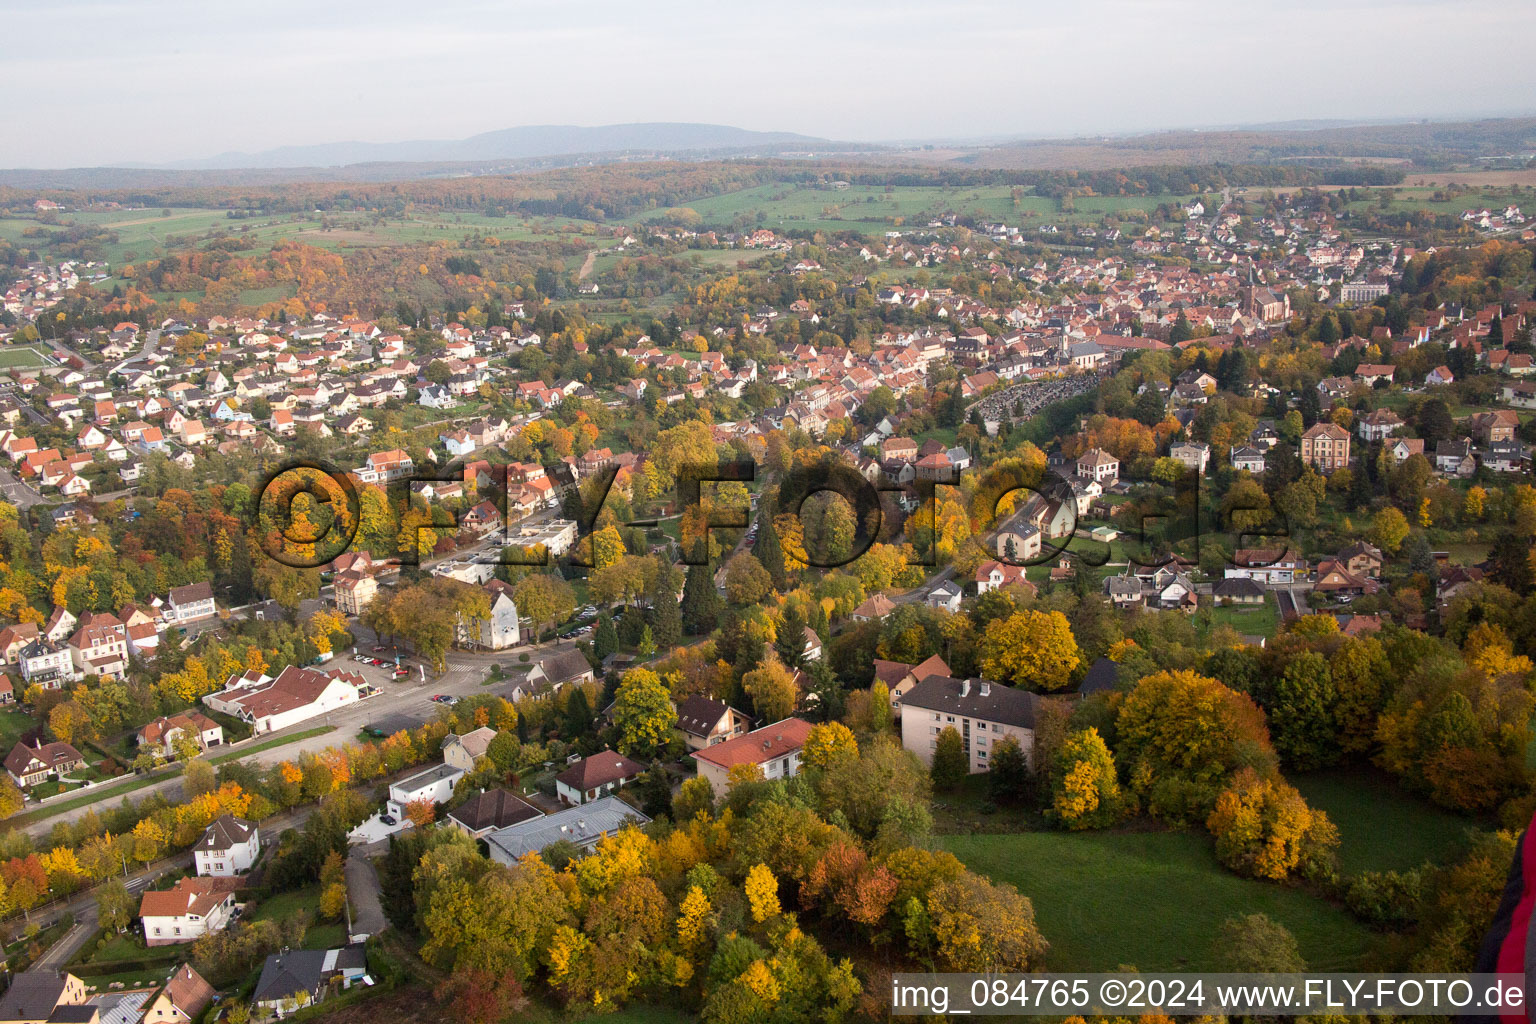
(711, 591)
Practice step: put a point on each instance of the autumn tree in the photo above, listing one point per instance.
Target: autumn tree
(643, 714)
(1264, 828)
(1085, 791)
(1031, 649)
(827, 744)
(545, 599)
(772, 689)
(746, 581)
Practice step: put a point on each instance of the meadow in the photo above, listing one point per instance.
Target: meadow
(1154, 900)
(875, 209)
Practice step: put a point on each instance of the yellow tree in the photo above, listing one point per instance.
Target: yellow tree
(1031, 648)
(762, 893)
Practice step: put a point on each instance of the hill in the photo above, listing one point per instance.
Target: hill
(523, 143)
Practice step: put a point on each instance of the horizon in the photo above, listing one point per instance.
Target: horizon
(158, 85)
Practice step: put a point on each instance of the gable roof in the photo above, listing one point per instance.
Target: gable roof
(759, 746)
(699, 715)
(600, 769)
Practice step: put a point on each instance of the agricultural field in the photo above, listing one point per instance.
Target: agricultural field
(1154, 900)
(872, 209)
(144, 234)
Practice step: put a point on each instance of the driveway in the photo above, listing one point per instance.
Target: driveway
(374, 832)
(363, 888)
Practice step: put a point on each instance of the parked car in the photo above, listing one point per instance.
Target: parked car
(388, 819)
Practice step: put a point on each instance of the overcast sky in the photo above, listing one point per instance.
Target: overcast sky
(90, 83)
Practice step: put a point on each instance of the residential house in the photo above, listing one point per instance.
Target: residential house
(874, 608)
(1238, 590)
(585, 825)
(491, 810)
(192, 908)
(190, 603)
(775, 749)
(1247, 458)
(1266, 565)
(354, 591)
(1454, 458)
(1097, 464)
(181, 999)
(704, 722)
(434, 785)
(1377, 425)
(984, 713)
(500, 629)
(27, 766)
(1325, 447)
(296, 978)
(994, 575)
(163, 733)
(597, 776)
(945, 595)
(39, 995)
(463, 751)
(229, 846)
(1195, 455)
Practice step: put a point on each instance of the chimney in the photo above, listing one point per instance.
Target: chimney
(965, 688)
(986, 688)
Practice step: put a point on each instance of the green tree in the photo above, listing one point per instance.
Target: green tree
(643, 714)
(701, 602)
(1254, 944)
(772, 689)
(950, 766)
(766, 548)
(605, 640)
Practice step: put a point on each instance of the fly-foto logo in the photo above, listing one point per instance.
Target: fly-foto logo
(1017, 515)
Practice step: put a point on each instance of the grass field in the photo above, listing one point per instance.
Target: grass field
(276, 741)
(21, 357)
(143, 234)
(12, 724)
(869, 208)
(1150, 899)
(1382, 828)
(1262, 620)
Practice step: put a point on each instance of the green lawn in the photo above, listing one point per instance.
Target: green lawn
(1150, 899)
(1260, 619)
(1382, 828)
(285, 904)
(276, 741)
(21, 357)
(12, 724)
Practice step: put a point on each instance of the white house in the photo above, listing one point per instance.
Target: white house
(193, 908)
(229, 847)
(435, 784)
(775, 749)
(296, 695)
(190, 603)
(596, 776)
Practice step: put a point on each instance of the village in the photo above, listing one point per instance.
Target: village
(1237, 454)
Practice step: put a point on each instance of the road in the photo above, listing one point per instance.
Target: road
(83, 906)
(151, 343)
(465, 672)
(17, 493)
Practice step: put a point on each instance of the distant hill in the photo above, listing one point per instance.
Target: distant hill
(530, 142)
